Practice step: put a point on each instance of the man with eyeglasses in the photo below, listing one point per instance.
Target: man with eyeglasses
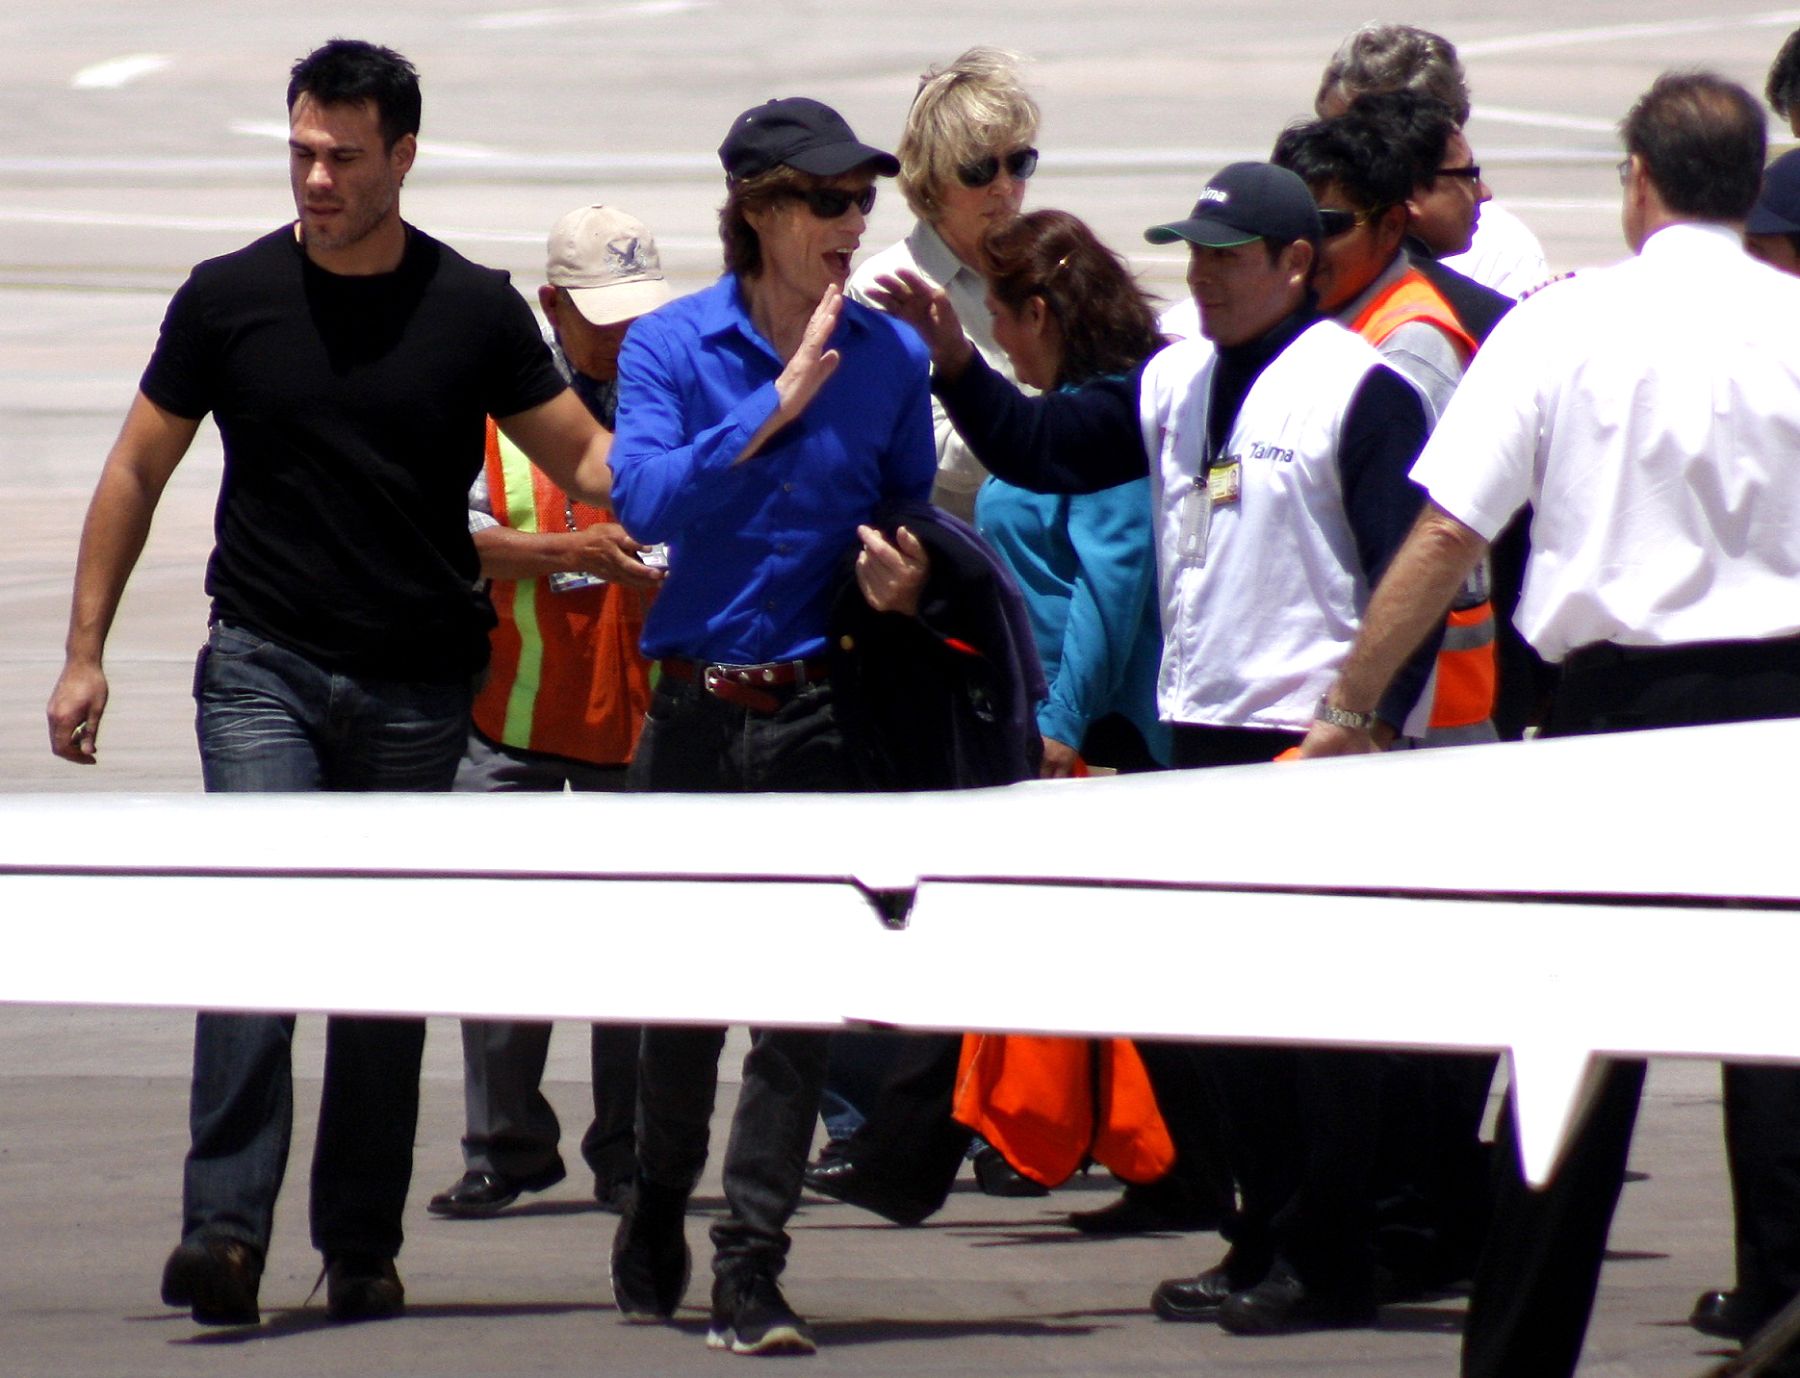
(1649, 411)
(1497, 250)
(965, 157)
(762, 423)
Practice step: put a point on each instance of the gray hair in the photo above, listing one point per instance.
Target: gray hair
(963, 112)
(1396, 57)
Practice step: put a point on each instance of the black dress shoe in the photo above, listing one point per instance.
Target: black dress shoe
(651, 1264)
(613, 1194)
(1724, 1315)
(476, 1194)
(997, 1177)
(362, 1287)
(1283, 1305)
(1149, 1208)
(217, 1277)
(1192, 1299)
(842, 1180)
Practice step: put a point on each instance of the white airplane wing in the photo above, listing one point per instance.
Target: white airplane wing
(1557, 900)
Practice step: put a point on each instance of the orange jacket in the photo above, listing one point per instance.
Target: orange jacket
(1467, 672)
(1049, 1103)
(566, 676)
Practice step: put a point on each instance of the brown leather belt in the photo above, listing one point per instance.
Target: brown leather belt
(749, 686)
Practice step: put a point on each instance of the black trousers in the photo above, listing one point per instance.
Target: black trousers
(1534, 1289)
(1762, 1147)
(1433, 1175)
(695, 743)
(1302, 1125)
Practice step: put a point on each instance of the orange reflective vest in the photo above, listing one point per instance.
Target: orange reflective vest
(1467, 671)
(1049, 1103)
(565, 675)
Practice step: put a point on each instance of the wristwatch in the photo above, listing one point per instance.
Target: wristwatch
(1343, 717)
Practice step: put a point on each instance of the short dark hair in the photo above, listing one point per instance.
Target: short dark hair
(1783, 89)
(1353, 152)
(348, 71)
(1105, 318)
(743, 250)
(1418, 128)
(1702, 140)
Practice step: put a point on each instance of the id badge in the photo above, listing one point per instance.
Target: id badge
(1226, 482)
(1196, 523)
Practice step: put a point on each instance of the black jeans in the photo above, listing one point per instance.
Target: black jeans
(695, 743)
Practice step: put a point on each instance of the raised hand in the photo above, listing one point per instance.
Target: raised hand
(927, 309)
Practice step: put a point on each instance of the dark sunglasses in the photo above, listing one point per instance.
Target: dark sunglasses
(1333, 223)
(828, 203)
(1019, 166)
(1472, 172)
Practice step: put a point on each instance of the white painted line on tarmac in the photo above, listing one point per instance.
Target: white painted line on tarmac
(1070, 162)
(117, 71)
(1616, 33)
(115, 220)
(462, 153)
(260, 129)
(556, 18)
(1543, 119)
(246, 225)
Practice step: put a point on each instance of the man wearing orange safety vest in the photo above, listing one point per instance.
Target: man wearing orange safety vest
(1364, 168)
(563, 702)
(1359, 169)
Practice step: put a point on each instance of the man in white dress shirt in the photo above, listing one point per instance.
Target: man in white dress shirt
(1650, 413)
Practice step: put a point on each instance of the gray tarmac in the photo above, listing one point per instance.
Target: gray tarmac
(147, 136)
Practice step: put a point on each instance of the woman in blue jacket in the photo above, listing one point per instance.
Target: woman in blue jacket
(1069, 315)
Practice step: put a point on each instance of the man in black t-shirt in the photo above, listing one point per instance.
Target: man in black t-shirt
(349, 362)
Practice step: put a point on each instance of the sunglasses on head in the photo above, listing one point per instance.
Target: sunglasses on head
(1019, 166)
(828, 203)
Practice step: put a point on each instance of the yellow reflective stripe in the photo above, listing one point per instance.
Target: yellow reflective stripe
(522, 515)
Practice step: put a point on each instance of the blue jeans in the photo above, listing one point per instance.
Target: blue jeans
(269, 719)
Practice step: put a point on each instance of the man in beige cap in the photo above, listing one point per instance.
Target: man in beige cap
(562, 705)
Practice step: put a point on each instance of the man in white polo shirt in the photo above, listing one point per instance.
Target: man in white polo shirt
(1650, 413)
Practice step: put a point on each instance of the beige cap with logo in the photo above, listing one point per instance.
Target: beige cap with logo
(608, 263)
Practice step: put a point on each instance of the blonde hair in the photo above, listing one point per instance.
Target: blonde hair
(974, 107)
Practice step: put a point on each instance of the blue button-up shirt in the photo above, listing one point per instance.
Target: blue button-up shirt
(755, 549)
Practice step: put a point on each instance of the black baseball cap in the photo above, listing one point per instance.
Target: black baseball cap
(798, 133)
(1777, 209)
(1243, 202)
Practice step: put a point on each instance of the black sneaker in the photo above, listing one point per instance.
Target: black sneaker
(216, 1276)
(362, 1287)
(650, 1259)
(750, 1316)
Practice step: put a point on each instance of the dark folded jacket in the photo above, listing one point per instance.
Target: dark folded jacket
(947, 699)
